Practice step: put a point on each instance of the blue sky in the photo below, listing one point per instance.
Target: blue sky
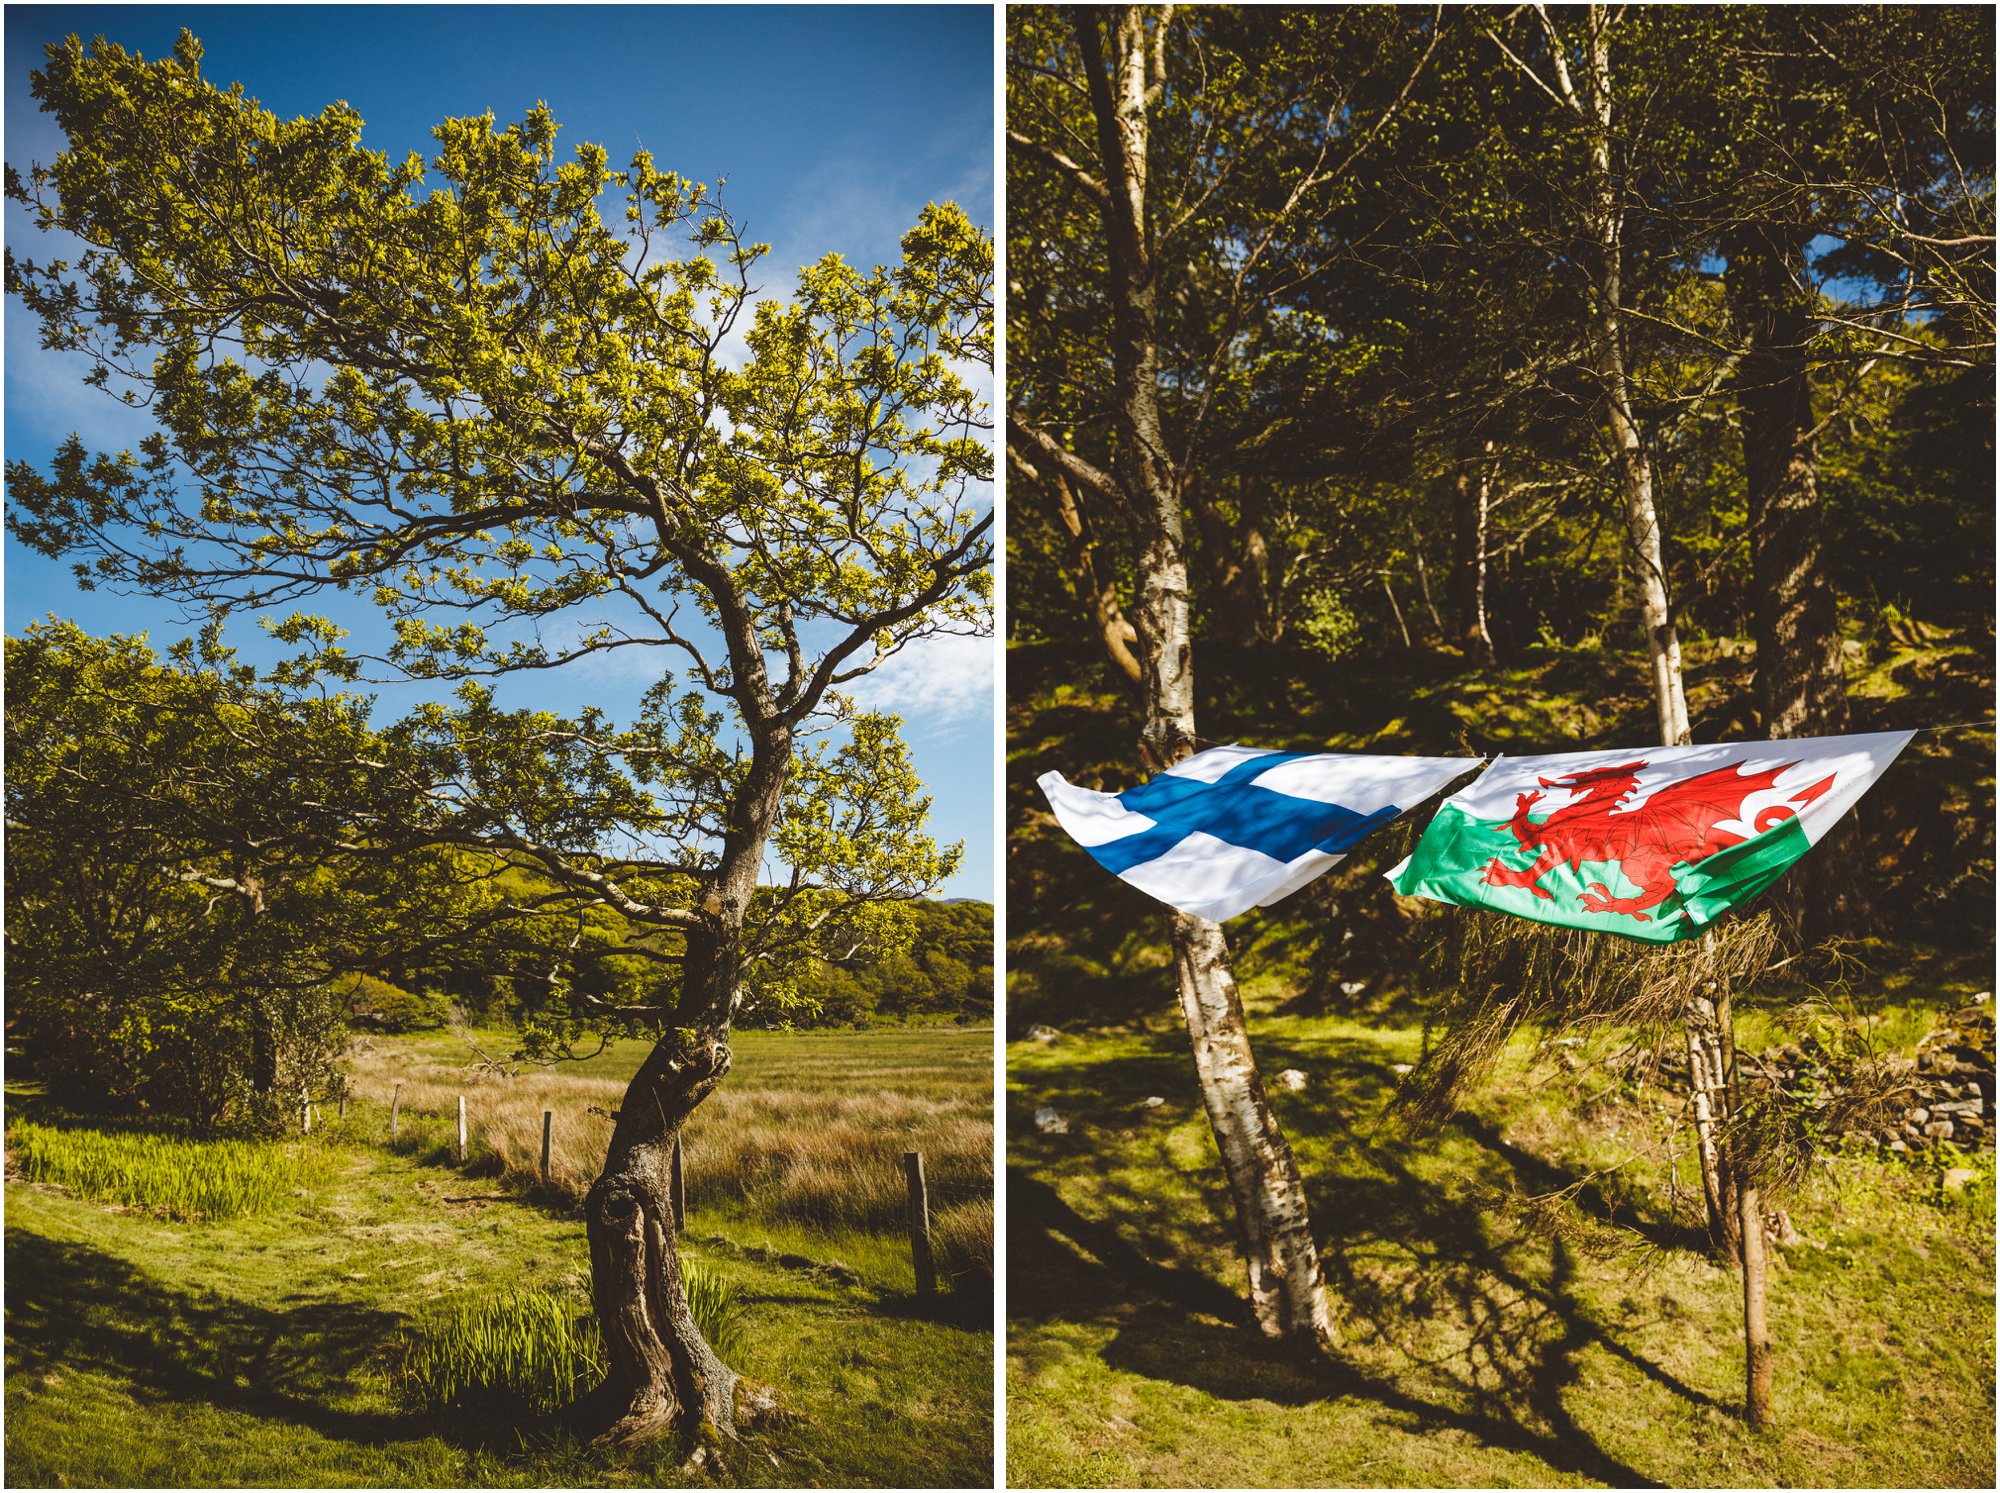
(832, 124)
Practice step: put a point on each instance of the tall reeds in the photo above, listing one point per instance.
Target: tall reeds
(531, 1348)
(182, 1178)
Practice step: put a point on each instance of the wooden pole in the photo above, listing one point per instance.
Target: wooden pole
(920, 1224)
(677, 1188)
(395, 1109)
(343, 1106)
(548, 1136)
(461, 1129)
(305, 1112)
(1756, 1332)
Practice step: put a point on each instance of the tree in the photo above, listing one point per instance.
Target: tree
(183, 928)
(1173, 166)
(453, 389)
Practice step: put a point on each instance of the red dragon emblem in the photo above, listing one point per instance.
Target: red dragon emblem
(1676, 825)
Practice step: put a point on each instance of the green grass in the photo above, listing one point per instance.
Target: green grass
(180, 1178)
(259, 1351)
(535, 1348)
(1486, 1342)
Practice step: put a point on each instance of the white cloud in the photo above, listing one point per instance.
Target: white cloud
(936, 682)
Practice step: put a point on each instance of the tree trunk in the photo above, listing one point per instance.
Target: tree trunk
(1756, 1334)
(1795, 616)
(1286, 1290)
(1424, 584)
(1708, 1089)
(1472, 493)
(1285, 1284)
(1642, 519)
(1093, 588)
(663, 1374)
(1401, 626)
(1749, 1241)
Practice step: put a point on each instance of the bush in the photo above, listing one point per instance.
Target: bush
(533, 1349)
(376, 1003)
(181, 1178)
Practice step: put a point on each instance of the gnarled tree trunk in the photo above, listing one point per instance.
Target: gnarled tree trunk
(663, 1374)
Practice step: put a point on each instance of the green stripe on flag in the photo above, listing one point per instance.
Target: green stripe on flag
(1449, 865)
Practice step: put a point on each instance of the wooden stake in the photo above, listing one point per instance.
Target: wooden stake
(1756, 1333)
(395, 1109)
(305, 1112)
(461, 1129)
(343, 1106)
(920, 1224)
(548, 1135)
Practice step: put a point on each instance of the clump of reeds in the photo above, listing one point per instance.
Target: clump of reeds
(531, 1348)
(962, 1241)
(181, 1178)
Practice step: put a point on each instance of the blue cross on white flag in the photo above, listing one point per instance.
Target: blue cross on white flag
(1234, 828)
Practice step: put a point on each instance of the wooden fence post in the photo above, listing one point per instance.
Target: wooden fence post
(305, 1112)
(548, 1135)
(677, 1188)
(461, 1129)
(920, 1224)
(343, 1106)
(395, 1109)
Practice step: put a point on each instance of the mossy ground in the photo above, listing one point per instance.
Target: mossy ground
(142, 1352)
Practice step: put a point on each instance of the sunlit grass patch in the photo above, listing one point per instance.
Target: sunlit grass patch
(182, 1178)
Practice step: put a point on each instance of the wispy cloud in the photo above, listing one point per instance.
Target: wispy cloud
(936, 682)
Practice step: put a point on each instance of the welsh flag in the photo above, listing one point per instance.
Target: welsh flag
(1652, 844)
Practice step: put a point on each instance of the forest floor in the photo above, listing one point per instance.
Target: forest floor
(147, 1353)
(1525, 1299)
(1488, 1339)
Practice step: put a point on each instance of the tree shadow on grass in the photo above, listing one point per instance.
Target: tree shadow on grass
(71, 1307)
(1449, 1326)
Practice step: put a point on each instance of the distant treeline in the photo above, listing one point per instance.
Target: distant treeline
(946, 972)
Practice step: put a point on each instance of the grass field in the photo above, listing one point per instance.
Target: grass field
(145, 1352)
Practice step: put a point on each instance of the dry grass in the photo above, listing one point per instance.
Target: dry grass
(776, 1143)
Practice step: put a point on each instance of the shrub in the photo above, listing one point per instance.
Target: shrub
(181, 1178)
(376, 1003)
(531, 1348)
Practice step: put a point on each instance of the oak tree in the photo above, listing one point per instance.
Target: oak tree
(528, 435)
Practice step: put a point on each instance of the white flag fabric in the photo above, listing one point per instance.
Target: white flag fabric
(1653, 843)
(1234, 827)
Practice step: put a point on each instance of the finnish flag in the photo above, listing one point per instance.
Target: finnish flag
(1234, 828)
